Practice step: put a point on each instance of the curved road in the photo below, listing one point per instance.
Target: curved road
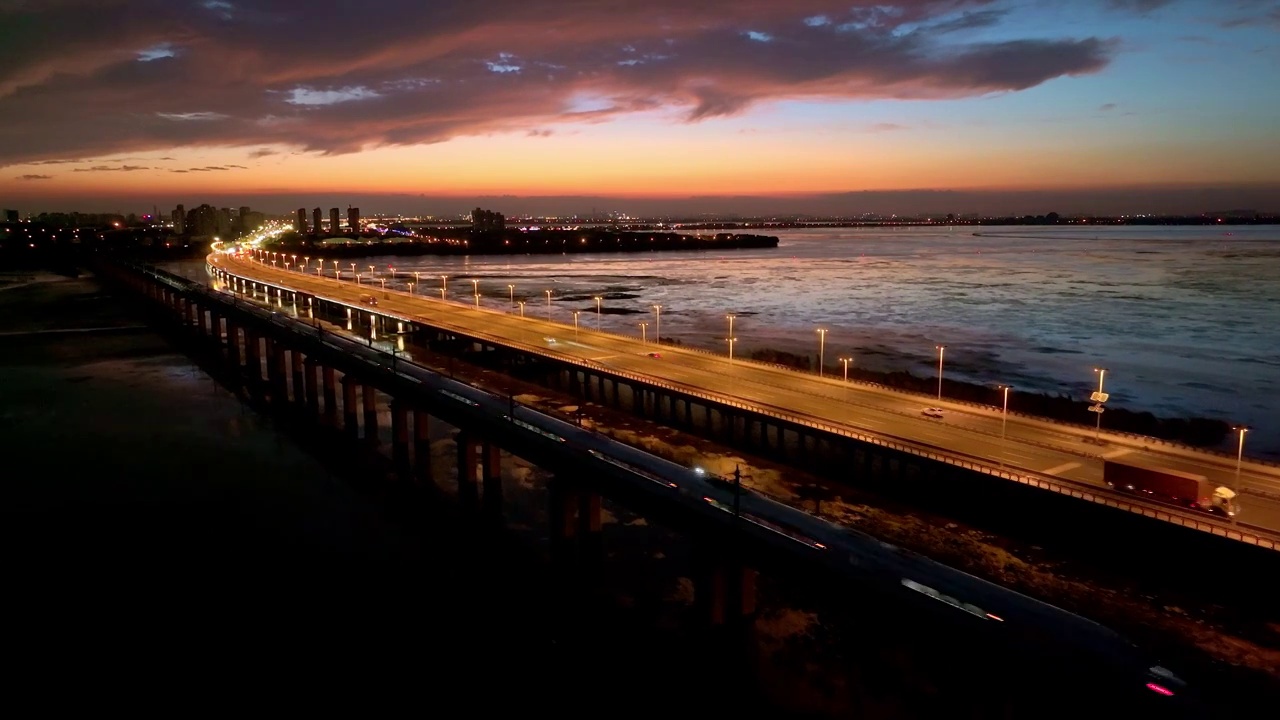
(1029, 444)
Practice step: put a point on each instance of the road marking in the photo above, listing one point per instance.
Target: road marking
(602, 358)
(1061, 468)
(1116, 453)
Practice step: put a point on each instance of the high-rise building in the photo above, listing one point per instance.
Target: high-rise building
(224, 223)
(301, 224)
(180, 220)
(483, 220)
(333, 221)
(315, 221)
(11, 216)
(353, 219)
(203, 221)
(242, 219)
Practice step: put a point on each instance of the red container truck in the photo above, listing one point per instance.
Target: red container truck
(1171, 486)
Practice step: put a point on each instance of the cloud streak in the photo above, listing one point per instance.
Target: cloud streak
(34, 177)
(249, 73)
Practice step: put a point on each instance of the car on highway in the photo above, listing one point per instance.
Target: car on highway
(369, 300)
(655, 355)
(932, 412)
(550, 340)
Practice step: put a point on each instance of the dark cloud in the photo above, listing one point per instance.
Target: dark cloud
(1105, 107)
(885, 127)
(540, 133)
(34, 177)
(1138, 6)
(262, 152)
(156, 74)
(108, 168)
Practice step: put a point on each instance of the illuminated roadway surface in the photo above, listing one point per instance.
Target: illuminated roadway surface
(1035, 445)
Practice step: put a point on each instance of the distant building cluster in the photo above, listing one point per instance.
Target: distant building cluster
(482, 220)
(316, 227)
(207, 220)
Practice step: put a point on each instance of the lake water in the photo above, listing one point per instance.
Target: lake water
(1182, 317)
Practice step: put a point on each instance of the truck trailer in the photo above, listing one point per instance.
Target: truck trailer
(1184, 489)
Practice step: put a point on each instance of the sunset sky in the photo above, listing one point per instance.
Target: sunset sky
(426, 106)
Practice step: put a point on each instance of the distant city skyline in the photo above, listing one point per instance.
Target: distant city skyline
(748, 107)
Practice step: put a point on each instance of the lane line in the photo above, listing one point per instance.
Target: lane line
(1061, 468)
(1116, 453)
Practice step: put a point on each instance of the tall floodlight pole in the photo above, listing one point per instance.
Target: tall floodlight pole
(942, 351)
(822, 349)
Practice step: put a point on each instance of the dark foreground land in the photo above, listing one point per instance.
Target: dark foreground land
(161, 543)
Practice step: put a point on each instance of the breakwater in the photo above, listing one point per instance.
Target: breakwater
(520, 242)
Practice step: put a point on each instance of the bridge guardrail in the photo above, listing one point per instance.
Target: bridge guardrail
(1256, 536)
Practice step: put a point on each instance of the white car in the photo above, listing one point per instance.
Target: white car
(932, 412)
(550, 340)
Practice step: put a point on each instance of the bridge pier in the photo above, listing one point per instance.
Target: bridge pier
(330, 397)
(279, 384)
(370, 398)
(724, 588)
(310, 390)
(350, 421)
(491, 469)
(299, 389)
(253, 361)
(233, 345)
(201, 321)
(468, 470)
(400, 438)
(422, 445)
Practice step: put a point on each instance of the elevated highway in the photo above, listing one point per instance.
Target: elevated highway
(1055, 456)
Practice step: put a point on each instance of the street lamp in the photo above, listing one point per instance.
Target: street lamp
(548, 305)
(384, 283)
(512, 290)
(942, 350)
(846, 361)
(575, 323)
(444, 285)
(521, 308)
(731, 340)
(1240, 453)
(1099, 398)
(357, 278)
(411, 286)
(822, 348)
(371, 268)
(657, 325)
(353, 268)
(644, 333)
(598, 299)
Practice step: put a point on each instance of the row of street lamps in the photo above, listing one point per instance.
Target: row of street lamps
(1099, 397)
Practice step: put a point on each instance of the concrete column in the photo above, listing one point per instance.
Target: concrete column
(350, 420)
(422, 445)
(330, 397)
(563, 512)
(491, 469)
(468, 470)
(310, 391)
(202, 322)
(253, 364)
(299, 390)
(400, 437)
(276, 373)
(371, 415)
(233, 344)
(724, 589)
(215, 329)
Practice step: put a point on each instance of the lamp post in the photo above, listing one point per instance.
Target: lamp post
(846, 361)
(644, 338)
(306, 260)
(512, 290)
(417, 276)
(1099, 398)
(411, 286)
(353, 268)
(657, 324)
(822, 348)
(384, 283)
(1004, 414)
(548, 305)
(575, 323)
(371, 269)
(1240, 453)
(730, 318)
(598, 299)
(521, 308)
(475, 290)
(357, 277)
(477, 301)
(444, 285)
(942, 349)
(731, 340)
